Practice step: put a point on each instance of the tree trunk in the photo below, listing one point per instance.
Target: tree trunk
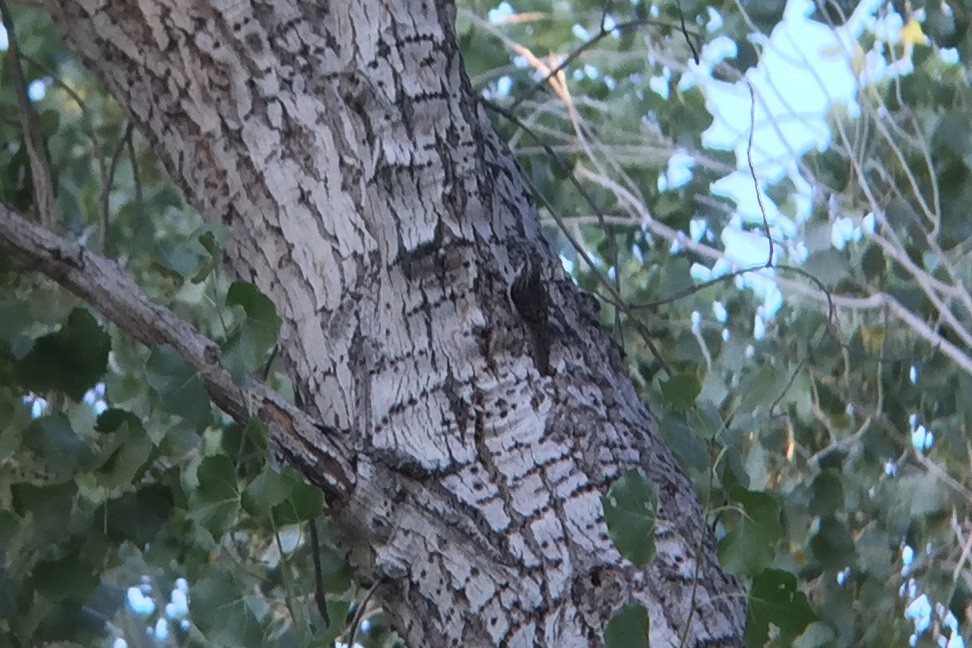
(370, 198)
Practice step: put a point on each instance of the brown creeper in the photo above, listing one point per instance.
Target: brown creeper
(529, 296)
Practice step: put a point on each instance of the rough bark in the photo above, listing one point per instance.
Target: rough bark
(370, 198)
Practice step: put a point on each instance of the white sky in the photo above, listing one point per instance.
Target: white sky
(806, 69)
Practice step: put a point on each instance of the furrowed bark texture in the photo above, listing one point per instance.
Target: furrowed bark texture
(370, 198)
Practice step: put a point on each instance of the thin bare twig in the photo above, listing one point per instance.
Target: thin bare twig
(108, 183)
(577, 52)
(40, 174)
(361, 610)
(752, 170)
(320, 593)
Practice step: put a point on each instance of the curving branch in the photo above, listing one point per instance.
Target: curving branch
(104, 285)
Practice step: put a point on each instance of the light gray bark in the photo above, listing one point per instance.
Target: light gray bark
(370, 198)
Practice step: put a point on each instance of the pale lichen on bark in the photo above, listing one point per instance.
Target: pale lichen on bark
(370, 198)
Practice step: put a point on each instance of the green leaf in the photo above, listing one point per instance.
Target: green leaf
(249, 437)
(833, 545)
(71, 360)
(284, 495)
(15, 316)
(682, 439)
(126, 453)
(49, 120)
(138, 517)
(815, 636)
(212, 238)
(58, 449)
(261, 315)
(223, 609)
(16, 179)
(304, 501)
(630, 510)
(50, 505)
(873, 264)
(680, 391)
(8, 592)
(760, 388)
(337, 612)
(751, 545)
(775, 599)
(337, 572)
(257, 433)
(628, 628)
(269, 489)
(827, 494)
(68, 578)
(917, 496)
(178, 386)
(9, 523)
(180, 260)
(952, 133)
(875, 557)
(114, 419)
(216, 502)
(245, 351)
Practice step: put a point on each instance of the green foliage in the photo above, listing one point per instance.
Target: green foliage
(70, 360)
(630, 510)
(56, 447)
(774, 599)
(124, 453)
(832, 544)
(680, 391)
(228, 616)
(283, 497)
(113, 463)
(216, 501)
(628, 628)
(179, 388)
(246, 349)
(750, 546)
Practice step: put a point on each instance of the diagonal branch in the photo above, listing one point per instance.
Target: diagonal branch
(104, 286)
